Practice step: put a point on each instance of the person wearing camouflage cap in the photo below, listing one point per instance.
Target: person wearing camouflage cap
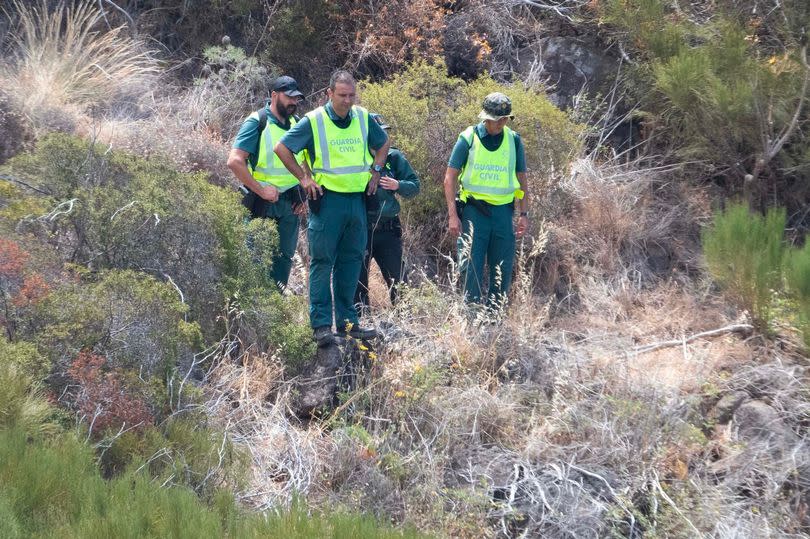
(486, 174)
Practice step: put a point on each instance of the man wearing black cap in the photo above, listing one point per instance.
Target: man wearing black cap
(274, 192)
(384, 227)
(487, 171)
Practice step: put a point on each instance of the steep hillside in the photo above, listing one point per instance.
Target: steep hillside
(647, 378)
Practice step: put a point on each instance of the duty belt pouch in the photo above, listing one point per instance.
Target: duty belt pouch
(315, 204)
(253, 202)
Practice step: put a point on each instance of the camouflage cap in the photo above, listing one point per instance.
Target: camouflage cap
(496, 106)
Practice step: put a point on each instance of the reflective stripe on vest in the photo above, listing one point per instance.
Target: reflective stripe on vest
(342, 160)
(269, 168)
(490, 175)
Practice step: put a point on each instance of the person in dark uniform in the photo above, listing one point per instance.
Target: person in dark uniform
(384, 226)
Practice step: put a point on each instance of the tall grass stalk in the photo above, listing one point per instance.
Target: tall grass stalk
(744, 252)
(62, 56)
(797, 277)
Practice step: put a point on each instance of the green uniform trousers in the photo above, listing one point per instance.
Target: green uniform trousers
(493, 240)
(337, 242)
(287, 225)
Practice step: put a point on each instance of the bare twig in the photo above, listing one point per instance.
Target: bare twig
(744, 329)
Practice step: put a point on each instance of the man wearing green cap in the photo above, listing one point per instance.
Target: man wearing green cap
(384, 227)
(338, 138)
(273, 191)
(487, 170)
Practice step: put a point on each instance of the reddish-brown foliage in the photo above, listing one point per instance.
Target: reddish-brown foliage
(33, 290)
(104, 398)
(12, 258)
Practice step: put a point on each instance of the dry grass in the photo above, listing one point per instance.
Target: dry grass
(63, 57)
(523, 423)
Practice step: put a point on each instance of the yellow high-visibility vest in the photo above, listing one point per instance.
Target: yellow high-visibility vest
(269, 168)
(342, 160)
(490, 175)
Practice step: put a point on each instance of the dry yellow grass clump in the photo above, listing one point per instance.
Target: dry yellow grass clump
(65, 57)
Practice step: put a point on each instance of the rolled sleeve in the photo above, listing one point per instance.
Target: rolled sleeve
(247, 139)
(520, 155)
(299, 137)
(458, 158)
(376, 135)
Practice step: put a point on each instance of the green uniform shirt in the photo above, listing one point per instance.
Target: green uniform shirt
(491, 142)
(300, 136)
(397, 167)
(247, 139)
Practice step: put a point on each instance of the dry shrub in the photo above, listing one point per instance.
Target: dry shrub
(15, 130)
(103, 398)
(173, 138)
(62, 57)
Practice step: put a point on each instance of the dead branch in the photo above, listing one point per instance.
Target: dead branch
(743, 329)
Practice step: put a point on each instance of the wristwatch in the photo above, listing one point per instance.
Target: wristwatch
(524, 214)
(377, 168)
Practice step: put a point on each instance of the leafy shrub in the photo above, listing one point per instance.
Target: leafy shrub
(280, 325)
(103, 399)
(25, 357)
(134, 320)
(797, 278)
(428, 109)
(113, 210)
(232, 85)
(744, 252)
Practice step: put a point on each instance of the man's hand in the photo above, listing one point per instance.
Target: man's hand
(313, 189)
(522, 226)
(373, 182)
(454, 226)
(269, 193)
(389, 184)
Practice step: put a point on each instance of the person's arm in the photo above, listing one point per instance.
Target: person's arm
(458, 159)
(450, 188)
(520, 171)
(296, 139)
(237, 162)
(523, 206)
(380, 142)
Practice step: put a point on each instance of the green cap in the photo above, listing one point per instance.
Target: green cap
(496, 106)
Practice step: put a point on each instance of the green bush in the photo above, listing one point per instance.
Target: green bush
(428, 110)
(134, 320)
(797, 277)
(120, 211)
(25, 357)
(719, 91)
(280, 325)
(744, 252)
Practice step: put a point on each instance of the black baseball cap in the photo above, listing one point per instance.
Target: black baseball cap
(287, 85)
